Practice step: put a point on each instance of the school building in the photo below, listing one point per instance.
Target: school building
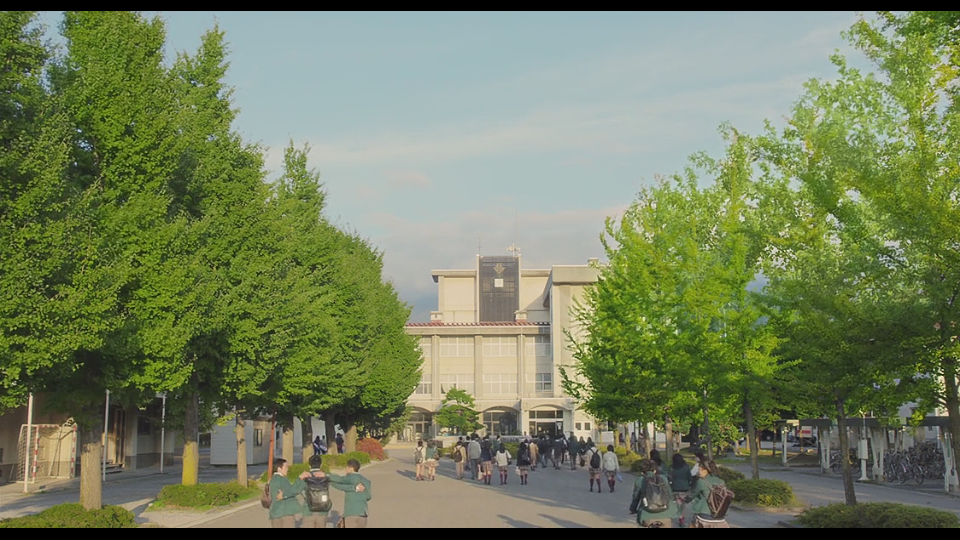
(498, 333)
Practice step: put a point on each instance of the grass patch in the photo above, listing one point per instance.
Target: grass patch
(73, 516)
(203, 496)
(877, 516)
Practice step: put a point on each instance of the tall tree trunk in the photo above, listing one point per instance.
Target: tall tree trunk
(953, 406)
(350, 436)
(288, 439)
(191, 437)
(847, 469)
(241, 429)
(647, 443)
(668, 428)
(330, 427)
(306, 428)
(752, 439)
(706, 426)
(91, 484)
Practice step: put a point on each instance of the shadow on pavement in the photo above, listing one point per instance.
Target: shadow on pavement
(564, 523)
(517, 524)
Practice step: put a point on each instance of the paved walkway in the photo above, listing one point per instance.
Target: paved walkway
(551, 499)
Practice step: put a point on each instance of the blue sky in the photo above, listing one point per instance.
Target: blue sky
(431, 130)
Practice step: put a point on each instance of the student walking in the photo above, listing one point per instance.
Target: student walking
(594, 465)
(653, 501)
(611, 467)
(699, 495)
(339, 443)
(313, 519)
(523, 462)
(284, 505)
(486, 458)
(430, 461)
(473, 452)
(419, 456)
(460, 458)
(679, 475)
(534, 455)
(356, 490)
(503, 463)
(655, 457)
(574, 448)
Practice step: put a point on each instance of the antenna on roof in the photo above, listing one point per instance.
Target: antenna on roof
(513, 248)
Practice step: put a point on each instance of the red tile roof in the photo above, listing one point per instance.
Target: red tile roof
(506, 323)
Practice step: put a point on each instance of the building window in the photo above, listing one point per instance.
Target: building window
(542, 383)
(537, 346)
(586, 426)
(425, 386)
(456, 347)
(258, 437)
(548, 414)
(462, 381)
(577, 426)
(500, 346)
(426, 346)
(499, 383)
(500, 422)
(143, 424)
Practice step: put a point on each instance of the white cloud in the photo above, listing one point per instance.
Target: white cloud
(399, 180)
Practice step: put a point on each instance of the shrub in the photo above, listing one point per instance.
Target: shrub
(73, 516)
(204, 495)
(877, 515)
(635, 466)
(729, 475)
(620, 451)
(329, 462)
(372, 448)
(763, 492)
(513, 448)
(627, 460)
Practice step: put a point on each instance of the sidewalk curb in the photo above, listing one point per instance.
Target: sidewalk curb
(243, 506)
(788, 525)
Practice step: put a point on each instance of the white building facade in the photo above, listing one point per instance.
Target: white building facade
(498, 333)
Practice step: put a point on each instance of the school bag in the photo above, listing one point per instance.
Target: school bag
(718, 500)
(458, 454)
(595, 460)
(655, 494)
(318, 494)
(418, 455)
(265, 498)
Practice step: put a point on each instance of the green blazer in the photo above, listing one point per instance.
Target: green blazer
(672, 511)
(355, 504)
(289, 505)
(701, 491)
(680, 478)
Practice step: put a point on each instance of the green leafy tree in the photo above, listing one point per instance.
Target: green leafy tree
(889, 141)
(457, 412)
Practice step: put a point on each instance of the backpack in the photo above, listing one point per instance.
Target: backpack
(318, 494)
(655, 494)
(265, 498)
(458, 454)
(718, 500)
(418, 455)
(595, 460)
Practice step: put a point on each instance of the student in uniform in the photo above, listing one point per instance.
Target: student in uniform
(356, 490)
(284, 505)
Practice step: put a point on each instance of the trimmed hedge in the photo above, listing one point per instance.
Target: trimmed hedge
(203, 495)
(729, 475)
(762, 492)
(73, 516)
(877, 516)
